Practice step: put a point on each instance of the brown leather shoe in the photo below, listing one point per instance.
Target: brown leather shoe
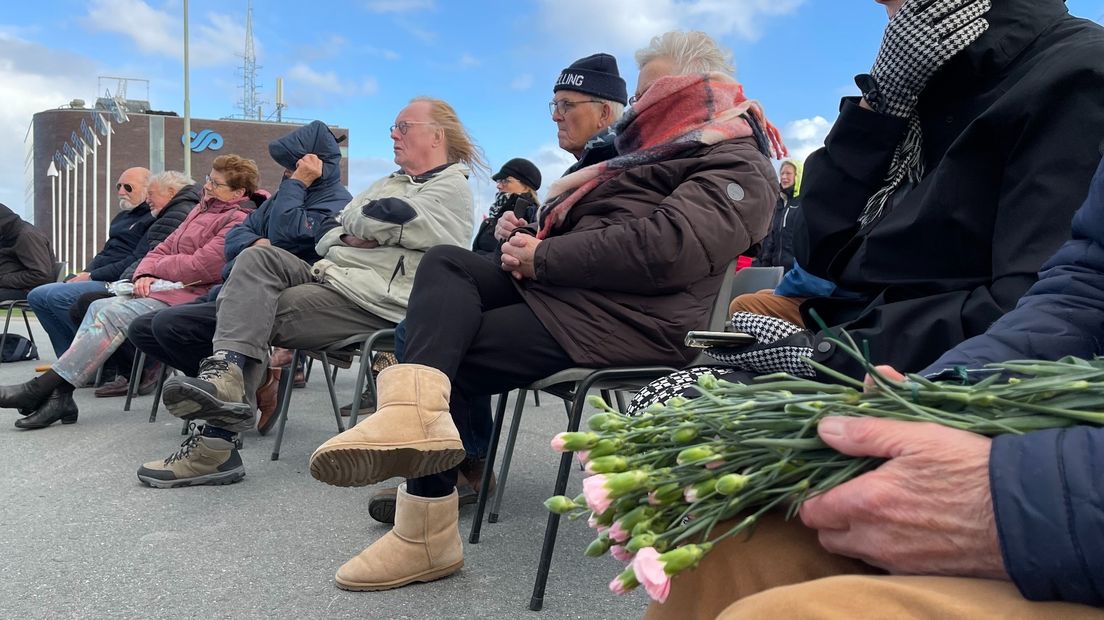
(267, 397)
(300, 379)
(117, 387)
(150, 375)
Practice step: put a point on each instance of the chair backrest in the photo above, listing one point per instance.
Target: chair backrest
(59, 271)
(752, 279)
(720, 307)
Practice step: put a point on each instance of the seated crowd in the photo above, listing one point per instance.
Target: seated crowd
(938, 196)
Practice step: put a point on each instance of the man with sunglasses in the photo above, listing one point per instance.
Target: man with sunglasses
(51, 302)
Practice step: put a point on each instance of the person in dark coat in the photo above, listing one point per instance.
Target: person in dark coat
(517, 183)
(26, 260)
(310, 192)
(1012, 525)
(778, 246)
(52, 302)
(626, 256)
(1006, 134)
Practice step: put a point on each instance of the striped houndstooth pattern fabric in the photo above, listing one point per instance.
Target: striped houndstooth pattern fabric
(921, 37)
(664, 389)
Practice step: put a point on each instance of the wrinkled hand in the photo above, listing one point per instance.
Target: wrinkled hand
(782, 346)
(518, 255)
(920, 39)
(142, 286)
(926, 511)
(308, 169)
(83, 276)
(506, 224)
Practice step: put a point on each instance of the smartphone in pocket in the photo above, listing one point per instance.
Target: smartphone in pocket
(709, 340)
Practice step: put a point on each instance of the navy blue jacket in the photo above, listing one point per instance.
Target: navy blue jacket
(292, 217)
(1048, 486)
(123, 240)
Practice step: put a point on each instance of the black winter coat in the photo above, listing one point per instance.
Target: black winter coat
(26, 260)
(778, 246)
(174, 213)
(122, 247)
(1012, 130)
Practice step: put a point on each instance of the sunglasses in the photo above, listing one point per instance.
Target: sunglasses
(127, 186)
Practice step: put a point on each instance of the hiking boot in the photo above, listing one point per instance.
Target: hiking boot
(381, 506)
(200, 460)
(217, 395)
(410, 435)
(424, 545)
(268, 395)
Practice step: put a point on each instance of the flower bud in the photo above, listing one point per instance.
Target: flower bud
(625, 483)
(695, 454)
(570, 442)
(560, 504)
(607, 465)
(682, 558)
(708, 381)
(596, 401)
(625, 582)
(598, 547)
(730, 484)
(604, 447)
(639, 542)
(665, 494)
(630, 519)
(606, 422)
(699, 490)
(684, 434)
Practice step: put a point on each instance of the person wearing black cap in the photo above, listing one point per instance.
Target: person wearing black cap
(517, 183)
(589, 96)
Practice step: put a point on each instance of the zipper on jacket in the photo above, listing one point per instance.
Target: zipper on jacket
(399, 267)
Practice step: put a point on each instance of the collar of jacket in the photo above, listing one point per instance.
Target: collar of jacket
(1013, 25)
(214, 205)
(427, 175)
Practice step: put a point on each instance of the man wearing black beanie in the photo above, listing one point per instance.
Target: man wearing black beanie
(589, 96)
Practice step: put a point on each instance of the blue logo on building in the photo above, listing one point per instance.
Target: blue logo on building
(204, 140)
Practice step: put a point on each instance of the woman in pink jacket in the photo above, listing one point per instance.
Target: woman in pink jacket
(192, 255)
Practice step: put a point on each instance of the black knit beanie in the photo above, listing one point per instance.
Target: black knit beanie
(594, 75)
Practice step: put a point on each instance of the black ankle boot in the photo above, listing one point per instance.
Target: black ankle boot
(28, 396)
(59, 406)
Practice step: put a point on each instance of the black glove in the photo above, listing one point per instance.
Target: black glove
(921, 37)
(781, 346)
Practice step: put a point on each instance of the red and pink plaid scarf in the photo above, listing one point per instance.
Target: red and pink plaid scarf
(676, 114)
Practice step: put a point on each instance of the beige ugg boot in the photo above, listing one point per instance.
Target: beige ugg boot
(424, 545)
(411, 434)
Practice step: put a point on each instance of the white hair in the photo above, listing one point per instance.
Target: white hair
(171, 180)
(691, 52)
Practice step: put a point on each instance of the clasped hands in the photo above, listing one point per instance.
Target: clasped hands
(518, 251)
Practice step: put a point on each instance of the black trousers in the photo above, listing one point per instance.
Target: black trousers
(467, 319)
(13, 294)
(179, 336)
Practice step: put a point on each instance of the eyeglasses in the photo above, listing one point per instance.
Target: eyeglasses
(504, 180)
(127, 186)
(634, 99)
(563, 106)
(404, 126)
(207, 180)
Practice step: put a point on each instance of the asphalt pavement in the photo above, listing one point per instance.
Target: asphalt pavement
(80, 537)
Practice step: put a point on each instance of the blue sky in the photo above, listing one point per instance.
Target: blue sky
(355, 63)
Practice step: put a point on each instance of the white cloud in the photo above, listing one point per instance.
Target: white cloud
(33, 78)
(363, 171)
(522, 82)
(805, 135)
(468, 61)
(586, 25)
(551, 160)
(398, 6)
(215, 39)
(307, 86)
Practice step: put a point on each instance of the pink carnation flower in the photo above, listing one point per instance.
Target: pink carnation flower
(617, 587)
(619, 553)
(583, 456)
(649, 572)
(618, 533)
(596, 493)
(558, 443)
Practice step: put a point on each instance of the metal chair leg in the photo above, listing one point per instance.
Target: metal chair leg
(536, 398)
(285, 404)
(7, 322)
(326, 370)
(551, 529)
(620, 396)
(30, 334)
(488, 467)
(157, 393)
(135, 373)
(507, 457)
(364, 369)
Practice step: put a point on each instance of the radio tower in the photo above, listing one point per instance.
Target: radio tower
(250, 101)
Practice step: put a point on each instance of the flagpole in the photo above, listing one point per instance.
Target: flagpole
(84, 205)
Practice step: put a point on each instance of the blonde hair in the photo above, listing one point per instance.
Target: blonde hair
(691, 52)
(459, 143)
(241, 173)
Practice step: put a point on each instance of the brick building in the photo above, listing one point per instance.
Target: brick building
(66, 207)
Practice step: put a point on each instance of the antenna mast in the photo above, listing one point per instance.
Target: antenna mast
(250, 101)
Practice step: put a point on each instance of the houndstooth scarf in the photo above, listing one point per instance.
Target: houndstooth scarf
(675, 115)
